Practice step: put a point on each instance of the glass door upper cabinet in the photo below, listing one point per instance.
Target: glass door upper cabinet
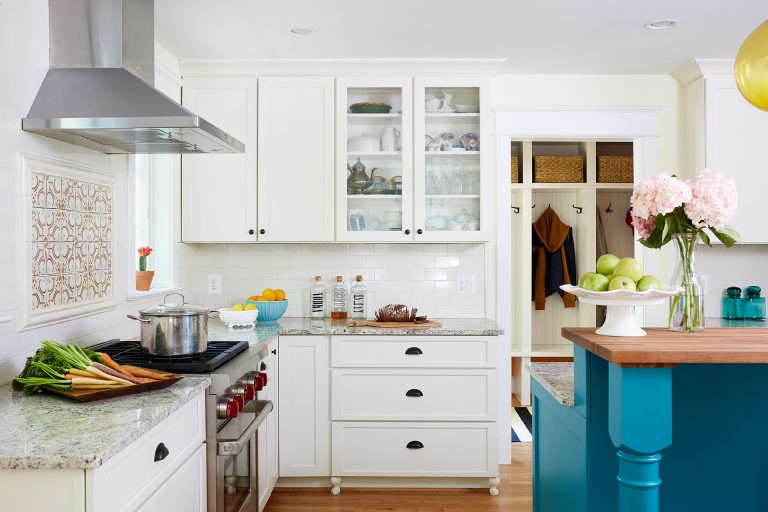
(373, 159)
(451, 174)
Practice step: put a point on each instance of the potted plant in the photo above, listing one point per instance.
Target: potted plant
(144, 276)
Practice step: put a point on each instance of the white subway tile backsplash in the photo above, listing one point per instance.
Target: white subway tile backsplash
(740, 265)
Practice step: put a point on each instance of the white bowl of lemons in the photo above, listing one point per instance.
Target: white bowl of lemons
(239, 315)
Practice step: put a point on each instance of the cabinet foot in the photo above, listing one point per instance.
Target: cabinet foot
(494, 486)
(336, 483)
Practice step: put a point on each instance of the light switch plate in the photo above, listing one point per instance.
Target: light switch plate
(214, 284)
(465, 284)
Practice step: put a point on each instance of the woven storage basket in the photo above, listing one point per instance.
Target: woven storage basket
(515, 170)
(615, 169)
(558, 169)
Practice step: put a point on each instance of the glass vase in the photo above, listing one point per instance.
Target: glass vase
(686, 311)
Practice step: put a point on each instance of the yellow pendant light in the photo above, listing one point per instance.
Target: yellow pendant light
(751, 67)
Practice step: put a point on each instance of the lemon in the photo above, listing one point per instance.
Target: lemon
(250, 307)
(238, 307)
(279, 294)
(268, 294)
(253, 297)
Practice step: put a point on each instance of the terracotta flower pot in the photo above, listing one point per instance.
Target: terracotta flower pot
(144, 279)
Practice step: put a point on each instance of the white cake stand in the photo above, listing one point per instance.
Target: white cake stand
(620, 307)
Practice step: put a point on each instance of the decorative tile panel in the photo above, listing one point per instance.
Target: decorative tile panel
(67, 236)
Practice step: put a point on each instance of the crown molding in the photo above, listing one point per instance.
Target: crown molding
(698, 68)
(340, 67)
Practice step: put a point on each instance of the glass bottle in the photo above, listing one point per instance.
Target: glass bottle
(732, 304)
(686, 312)
(317, 299)
(359, 298)
(339, 299)
(754, 308)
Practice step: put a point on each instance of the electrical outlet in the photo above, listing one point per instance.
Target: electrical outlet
(214, 284)
(465, 284)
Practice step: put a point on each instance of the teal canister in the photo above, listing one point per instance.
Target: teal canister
(732, 304)
(754, 308)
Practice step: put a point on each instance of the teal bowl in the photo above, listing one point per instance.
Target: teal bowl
(269, 310)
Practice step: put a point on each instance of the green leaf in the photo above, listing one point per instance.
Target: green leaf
(654, 241)
(727, 235)
(667, 227)
(704, 238)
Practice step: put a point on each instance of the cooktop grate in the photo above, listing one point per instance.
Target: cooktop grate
(129, 352)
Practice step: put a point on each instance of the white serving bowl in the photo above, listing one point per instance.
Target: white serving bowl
(238, 318)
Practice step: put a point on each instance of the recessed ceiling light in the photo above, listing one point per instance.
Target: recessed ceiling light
(660, 24)
(302, 31)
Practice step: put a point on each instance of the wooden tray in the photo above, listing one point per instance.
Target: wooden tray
(394, 325)
(89, 395)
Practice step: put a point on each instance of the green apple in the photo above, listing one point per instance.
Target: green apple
(583, 277)
(621, 283)
(594, 282)
(629, 267)
(606, 263)
(648, 282)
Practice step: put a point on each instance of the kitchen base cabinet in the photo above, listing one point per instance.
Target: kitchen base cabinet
(304, 402)
(268, 462)
(131, 480)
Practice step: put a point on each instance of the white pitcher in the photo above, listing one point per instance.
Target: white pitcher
(390, 139)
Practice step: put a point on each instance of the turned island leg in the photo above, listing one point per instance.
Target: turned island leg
(640, 426)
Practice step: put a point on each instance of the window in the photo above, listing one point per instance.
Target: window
(154, 215)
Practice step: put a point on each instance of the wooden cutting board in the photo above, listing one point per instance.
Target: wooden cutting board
(393, 325)
(89, 395)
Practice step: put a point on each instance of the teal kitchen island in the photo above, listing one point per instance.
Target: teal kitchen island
(667, 422)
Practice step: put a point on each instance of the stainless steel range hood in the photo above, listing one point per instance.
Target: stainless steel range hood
(99, 91)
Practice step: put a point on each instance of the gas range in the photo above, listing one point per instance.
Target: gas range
(234, 412)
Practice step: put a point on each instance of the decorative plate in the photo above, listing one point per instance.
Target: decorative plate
(466, 109)
(470, 142)
(445, 140)
(370, 107)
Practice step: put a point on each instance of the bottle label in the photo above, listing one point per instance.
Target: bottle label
(339, 298)
(358, 303)
(317, 304)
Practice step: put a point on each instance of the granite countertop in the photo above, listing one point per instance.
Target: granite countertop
(557, 378)
(50, 432)
(325, 326)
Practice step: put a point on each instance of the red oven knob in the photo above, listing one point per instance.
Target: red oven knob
(263, 375)
(249, 391)
(240, 401)
(232, 409)
(258, 382)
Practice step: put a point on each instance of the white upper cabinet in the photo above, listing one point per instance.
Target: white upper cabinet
(452, 164)
(726, 134)
(295, 159)
(218, 192)
(374, 177)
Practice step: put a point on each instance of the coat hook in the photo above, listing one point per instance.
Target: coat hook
(534, 206)
(609, 209)
(578, 209)
(516, 208)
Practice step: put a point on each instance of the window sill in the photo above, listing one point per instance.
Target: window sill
(155, 292)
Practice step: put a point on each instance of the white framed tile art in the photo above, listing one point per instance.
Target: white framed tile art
(65, 240)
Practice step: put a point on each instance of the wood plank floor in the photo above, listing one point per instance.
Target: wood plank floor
(514, 495)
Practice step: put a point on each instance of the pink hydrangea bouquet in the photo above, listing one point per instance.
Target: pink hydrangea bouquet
(665, 209)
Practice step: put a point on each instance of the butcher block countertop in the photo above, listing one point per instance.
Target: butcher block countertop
(662, 347)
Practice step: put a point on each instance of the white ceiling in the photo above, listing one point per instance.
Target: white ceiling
(535, 36)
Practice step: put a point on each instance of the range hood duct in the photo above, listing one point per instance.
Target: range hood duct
(99, 90)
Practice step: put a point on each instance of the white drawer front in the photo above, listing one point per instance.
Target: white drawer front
(132, 475)
(425, 395)
(381, 449)
(414, 351)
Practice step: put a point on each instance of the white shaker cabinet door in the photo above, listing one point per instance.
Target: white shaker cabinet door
(218, 191)
(303, 423)
(295, 159)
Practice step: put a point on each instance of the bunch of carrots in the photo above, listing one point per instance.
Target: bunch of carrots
(69, 367)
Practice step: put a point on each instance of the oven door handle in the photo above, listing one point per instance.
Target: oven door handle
(229, 448)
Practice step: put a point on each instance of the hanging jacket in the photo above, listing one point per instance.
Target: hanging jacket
(554, 259)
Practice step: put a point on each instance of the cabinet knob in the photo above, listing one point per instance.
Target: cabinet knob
(262, 231)
(413, 351)
(415, 445)
(274, 351)
(250, 231)
(407, 231)
(161, 452)
(419, 231)
(414, 392)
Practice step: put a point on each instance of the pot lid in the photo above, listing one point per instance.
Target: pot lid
(173, 309)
